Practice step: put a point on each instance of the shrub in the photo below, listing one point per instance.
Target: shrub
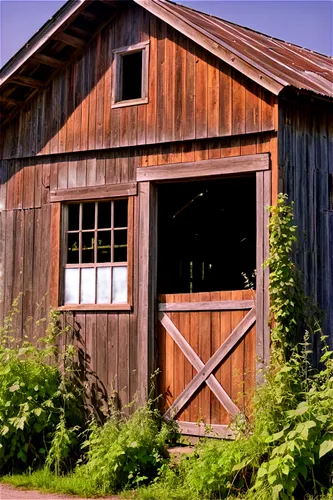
(126, 451)
(288, 450)
(34, 395)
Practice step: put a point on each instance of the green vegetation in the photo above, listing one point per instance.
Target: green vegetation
(284, 451)
(35, 398)
(287, 451)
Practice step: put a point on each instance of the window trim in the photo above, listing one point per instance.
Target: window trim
(116, 101)
(63, 261)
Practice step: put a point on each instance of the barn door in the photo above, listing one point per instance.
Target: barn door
(211, 328)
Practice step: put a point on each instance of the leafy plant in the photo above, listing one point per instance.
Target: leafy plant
(34, 394)
(287, 451)
(125, 452)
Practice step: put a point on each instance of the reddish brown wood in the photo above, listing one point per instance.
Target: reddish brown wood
(54, 242)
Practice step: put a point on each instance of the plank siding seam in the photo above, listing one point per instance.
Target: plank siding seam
(205, 168)
(117, 147)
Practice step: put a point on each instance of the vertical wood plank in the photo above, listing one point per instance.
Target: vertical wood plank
(204, 332)
(238, 104)
(237, 357)
(201, 93)
(213, 100)
(260, 349)
(147, 283)
(28, 273)
(54, 242)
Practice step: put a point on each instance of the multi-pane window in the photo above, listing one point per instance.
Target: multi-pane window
(95, 264)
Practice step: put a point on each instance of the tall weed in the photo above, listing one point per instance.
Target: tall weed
(34, 395)
(287, 450)
(125, 452)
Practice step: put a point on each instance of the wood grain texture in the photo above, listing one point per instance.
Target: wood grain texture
(305, 162)
(191, 93)
(191, 338)
(94, 192)
(204, 168)
(210, 305)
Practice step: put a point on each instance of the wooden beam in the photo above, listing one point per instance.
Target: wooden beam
(259, 276)
(110, 3)
(94, 192)
(146, 312)
(199, 365)
(80, 32)
(89, 15)
(236, 335)
(49, 61)
(267, 199)
(9, 100)
(202, 430)
(54, 241)
(68, 12)
(73, 41)
(27, 81)
(205, 168)
(219, 305)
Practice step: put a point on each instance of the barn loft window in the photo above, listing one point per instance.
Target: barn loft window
(207, 235)
(130, 70)
(96, 252)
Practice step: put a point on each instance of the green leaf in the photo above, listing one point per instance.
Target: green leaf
(261, 472)
(4, 430)
(22, 456)
(302, 470)
(325, 447)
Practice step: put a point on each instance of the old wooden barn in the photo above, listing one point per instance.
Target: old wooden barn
(141, 142)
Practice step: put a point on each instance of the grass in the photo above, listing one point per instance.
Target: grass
(45, 481)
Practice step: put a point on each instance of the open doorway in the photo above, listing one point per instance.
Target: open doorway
(207, 235)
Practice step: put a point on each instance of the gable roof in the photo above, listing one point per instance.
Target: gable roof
(272, 63)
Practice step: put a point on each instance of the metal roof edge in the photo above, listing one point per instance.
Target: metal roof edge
(160, 9)
(37, 40)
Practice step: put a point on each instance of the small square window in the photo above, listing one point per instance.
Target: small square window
(95, 253)
(130, 75)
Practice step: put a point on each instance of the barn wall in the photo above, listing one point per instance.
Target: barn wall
(192, 95)
(305, 159)
(110, 339)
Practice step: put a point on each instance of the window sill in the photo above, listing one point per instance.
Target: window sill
(130, 102)
(95, 307)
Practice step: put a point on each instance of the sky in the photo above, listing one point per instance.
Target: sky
(306, 23)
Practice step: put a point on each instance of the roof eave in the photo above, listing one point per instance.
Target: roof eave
(161, 10)
(35, 43)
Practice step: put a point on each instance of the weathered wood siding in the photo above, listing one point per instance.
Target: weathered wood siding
(192, 95)
(305, 141)
(68, 136)
(27, 241)
(205, 332)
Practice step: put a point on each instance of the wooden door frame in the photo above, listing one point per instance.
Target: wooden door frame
(147, 178)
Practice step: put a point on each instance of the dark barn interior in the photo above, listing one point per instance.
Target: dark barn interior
(206, 235)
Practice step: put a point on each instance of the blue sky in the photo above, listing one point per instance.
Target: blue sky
(306, 23)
